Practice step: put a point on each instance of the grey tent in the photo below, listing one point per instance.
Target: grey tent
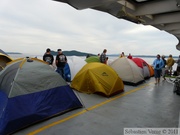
(31, 91)
(128, 71)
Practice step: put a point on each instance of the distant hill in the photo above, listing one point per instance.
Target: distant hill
(67, 53)
(13, 53)
(73, 52)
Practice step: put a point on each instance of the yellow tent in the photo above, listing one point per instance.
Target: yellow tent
(97, 78)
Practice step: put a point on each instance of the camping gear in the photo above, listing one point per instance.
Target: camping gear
(3, 60)
(97, 78)
(31, 91)
(67, 73)
(128, 71)
(92, 59)
(144, 67)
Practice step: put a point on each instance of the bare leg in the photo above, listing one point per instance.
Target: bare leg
(156, 80)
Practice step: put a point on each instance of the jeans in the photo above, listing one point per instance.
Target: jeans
(60, 70)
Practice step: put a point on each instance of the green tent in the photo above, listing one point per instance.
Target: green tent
(92, 59)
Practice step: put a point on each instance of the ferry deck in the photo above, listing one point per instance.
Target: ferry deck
(143, 106)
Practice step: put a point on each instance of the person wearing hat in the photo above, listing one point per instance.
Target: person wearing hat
(170, 62)
(61, 61)
(164, 69)
(48, 57)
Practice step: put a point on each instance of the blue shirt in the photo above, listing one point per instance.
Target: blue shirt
(158, 64)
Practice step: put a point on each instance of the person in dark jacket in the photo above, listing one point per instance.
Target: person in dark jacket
(48, 57)
(103, 57)
(164, 68)
(61, 61)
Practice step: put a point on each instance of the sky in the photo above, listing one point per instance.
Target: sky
(32, 26)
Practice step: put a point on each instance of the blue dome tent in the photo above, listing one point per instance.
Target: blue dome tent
(30, 91)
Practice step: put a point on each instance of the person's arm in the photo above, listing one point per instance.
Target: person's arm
(52, 59)
(161, 64)
(56, 60)
(44, 57)
(65, 58)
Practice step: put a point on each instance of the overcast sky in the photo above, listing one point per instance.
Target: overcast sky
(31, 26)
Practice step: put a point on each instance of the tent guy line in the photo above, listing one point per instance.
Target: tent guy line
(88, 109)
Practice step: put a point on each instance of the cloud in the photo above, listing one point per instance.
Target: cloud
(32, 26)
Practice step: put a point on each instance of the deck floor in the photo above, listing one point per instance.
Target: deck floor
(143, 106)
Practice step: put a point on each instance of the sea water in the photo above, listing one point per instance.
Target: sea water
(149, 60)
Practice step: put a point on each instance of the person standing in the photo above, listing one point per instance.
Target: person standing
(164, 69)
(48, 57)
(103, 56)
(158, 65)
(87, 56)
(170, 62)
(61, 61)
(129, 56)
(178, 66)
(122, 55)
